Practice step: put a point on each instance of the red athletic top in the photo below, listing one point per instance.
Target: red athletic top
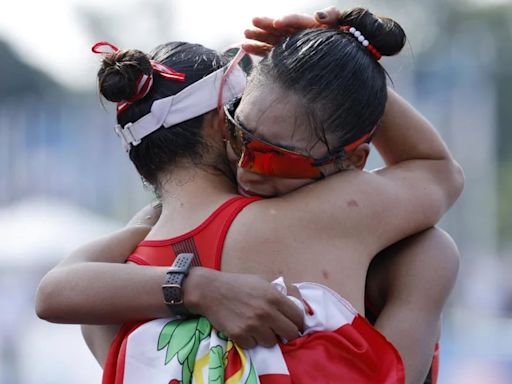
(205, 241)
(355, 351)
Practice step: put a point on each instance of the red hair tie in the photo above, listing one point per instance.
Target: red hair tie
(144, 82)
(96, 48)
(359, 36)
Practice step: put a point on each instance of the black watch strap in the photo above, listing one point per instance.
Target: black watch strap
(172, 287)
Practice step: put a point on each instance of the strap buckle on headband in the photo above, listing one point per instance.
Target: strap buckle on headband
(127, 136)
(194, 100)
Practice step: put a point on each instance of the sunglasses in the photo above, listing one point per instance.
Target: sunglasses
(260, 156)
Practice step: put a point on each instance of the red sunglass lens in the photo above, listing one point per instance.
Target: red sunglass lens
(276, 164)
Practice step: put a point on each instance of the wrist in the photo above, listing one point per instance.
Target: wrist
(174, 284)
(195, 289)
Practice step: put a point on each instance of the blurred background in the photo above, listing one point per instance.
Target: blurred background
(64, 178)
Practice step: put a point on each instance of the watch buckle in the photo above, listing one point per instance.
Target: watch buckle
(173, 302)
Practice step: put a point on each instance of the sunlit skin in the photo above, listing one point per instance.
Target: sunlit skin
(261, 110)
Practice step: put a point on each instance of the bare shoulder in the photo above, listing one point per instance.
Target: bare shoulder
(273, 238)
(260, 230)
(305, 217)
(275, 220)
(270, 236)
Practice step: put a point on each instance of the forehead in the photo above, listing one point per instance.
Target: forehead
(275, 115)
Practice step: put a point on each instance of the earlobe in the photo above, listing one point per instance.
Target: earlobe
(357, 159)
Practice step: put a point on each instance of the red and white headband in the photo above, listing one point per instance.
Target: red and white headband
(212, 91)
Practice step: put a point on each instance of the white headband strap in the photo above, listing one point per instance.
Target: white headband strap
(195, 100)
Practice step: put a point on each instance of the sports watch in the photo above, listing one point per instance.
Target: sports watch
(172, 286)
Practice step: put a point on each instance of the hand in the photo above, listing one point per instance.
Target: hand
(147, 216)
(268, 32)
(246, 308)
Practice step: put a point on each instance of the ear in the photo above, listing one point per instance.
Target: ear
(357, 158)
(214, 125)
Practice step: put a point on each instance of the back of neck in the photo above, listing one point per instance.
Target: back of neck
(188, 197)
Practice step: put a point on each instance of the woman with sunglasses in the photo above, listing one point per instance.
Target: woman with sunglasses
(333, 227)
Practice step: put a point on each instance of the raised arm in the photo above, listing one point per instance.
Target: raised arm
(374, 210)
(421, 178)
(420, 182)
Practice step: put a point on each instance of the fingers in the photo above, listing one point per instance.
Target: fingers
(244, 340)
(328, 16)
(269, 32)
(285, 328)
(266, 337)
(249, 310)
(266, 24)
(290, 310)
(295, 21)
(255, 333)
(255, 48)
(279, 319)
(263, 36)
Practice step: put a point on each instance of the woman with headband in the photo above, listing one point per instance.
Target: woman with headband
(288, 132)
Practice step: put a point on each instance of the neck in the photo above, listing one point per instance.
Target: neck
(189, 195)
(194, 186)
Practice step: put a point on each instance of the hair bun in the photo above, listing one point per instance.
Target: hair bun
(120, 72)
(385, 34)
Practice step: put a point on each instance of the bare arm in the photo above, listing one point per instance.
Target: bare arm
(420, 182)
(90, 269)
(406, 135)
(410, 194)
(410, 282)
(93, 286)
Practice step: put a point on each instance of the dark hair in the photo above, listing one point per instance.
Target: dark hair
(341, 84)
(117, 79)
